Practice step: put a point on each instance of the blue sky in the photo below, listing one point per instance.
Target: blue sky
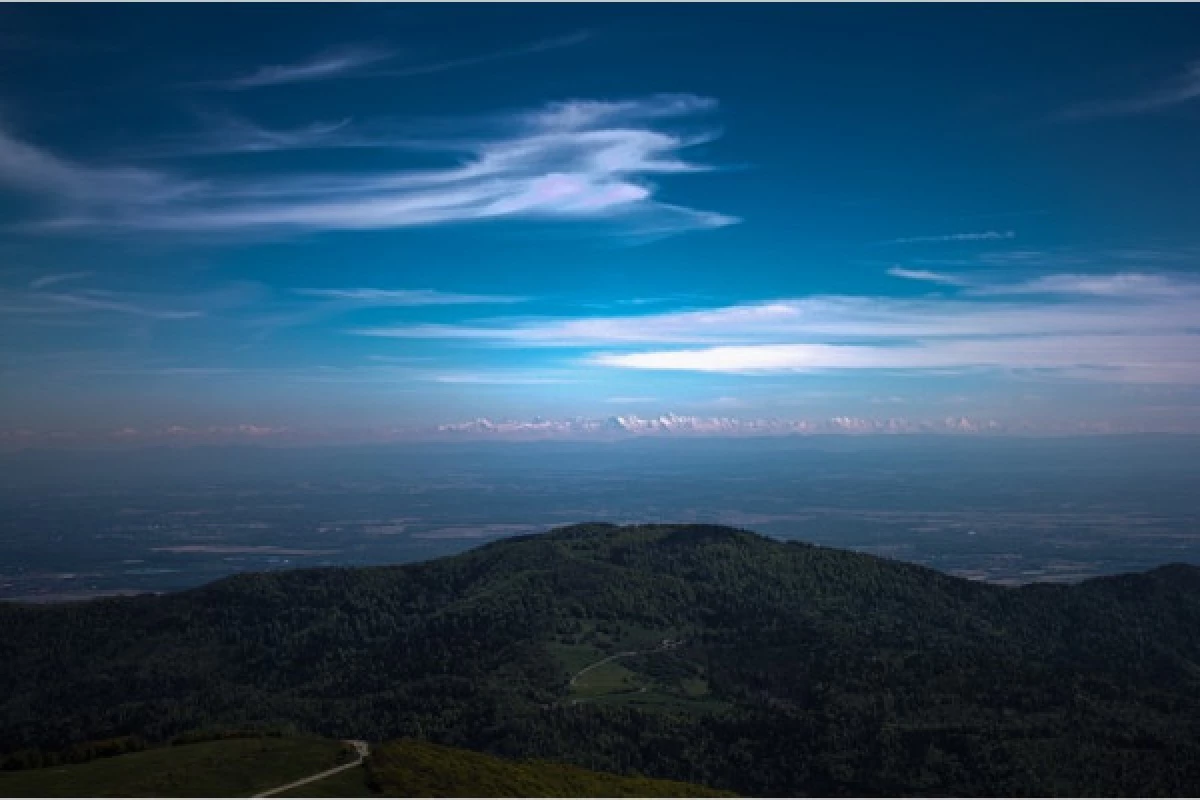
(362, 216)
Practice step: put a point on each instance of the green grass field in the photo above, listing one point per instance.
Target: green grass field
(574, 657)
(609, 678)
(225, 768)
(418, 769)
(351, 783)
(625, 681)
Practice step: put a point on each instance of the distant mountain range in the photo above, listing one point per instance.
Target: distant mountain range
(694, 653)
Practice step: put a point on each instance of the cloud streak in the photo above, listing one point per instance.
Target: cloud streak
(110, 301)
(985, 236)
(926, 276)
(50, 280)
(1121, 284)
(1141, 358)
(326, 66)
(1125, 327)
(577, 160)
(1183, 88)
(42, 300)
(486, 58)
(32, 170)
(408, 297)
(226, 133)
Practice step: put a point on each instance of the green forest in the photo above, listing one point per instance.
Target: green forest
(692, 653)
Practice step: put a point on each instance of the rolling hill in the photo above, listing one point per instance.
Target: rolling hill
(409, 768)
(231, 767)
(244, 765)
(693, 653)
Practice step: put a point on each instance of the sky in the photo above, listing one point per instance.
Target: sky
(368, 217)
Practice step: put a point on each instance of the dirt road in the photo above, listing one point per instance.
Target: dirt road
(360, 747)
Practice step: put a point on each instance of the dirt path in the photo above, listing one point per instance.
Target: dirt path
(360, 747)
(604, 661)
(659, 649)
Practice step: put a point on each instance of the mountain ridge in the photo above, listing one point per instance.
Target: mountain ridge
(831, 672)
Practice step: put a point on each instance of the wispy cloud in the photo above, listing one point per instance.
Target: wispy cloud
(1124, 284)
(1115, 327)
(575, 160)
(225, 133)
(485, 58)
(38, 301)
(984, 236)
(926, 276)
(97, 300)
(1124, 357)
(499, 378)
(50, 280)
(354, 60)
(1120, 284)
(1062, 259)
(1183, 88)
(26, 168)
(332, 64)
(409, 297)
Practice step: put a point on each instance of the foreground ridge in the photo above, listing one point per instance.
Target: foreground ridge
(793, 669)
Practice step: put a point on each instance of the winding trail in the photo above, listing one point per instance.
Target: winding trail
(659, 649)
(604, 661)
(360, 747)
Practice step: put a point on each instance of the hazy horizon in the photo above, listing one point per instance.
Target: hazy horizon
(1004, 509)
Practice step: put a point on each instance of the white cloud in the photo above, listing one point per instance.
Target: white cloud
(1140, 357)
(1183, 88)
(986, 236)
(830, 317)
(1118, 327)
(498, 378)
(38, 302)
(26, 168)
(110, 301)
(225, 133)
(50, 280)
(577, 115)
(926, 276)
(322, 67)
(408, 297)
(348, 60)
(1121, 284)
(1124, 284)
(574, 161)
(470, 61)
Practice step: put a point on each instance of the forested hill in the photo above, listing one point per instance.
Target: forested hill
(737, 662)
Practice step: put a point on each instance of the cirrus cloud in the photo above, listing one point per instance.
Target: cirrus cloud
(573, 160)
(1124, 327)
(408, 297)
(323, 67)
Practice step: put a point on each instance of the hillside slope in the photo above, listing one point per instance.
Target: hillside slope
(231, 767)
(729, 660)
(409, 768)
